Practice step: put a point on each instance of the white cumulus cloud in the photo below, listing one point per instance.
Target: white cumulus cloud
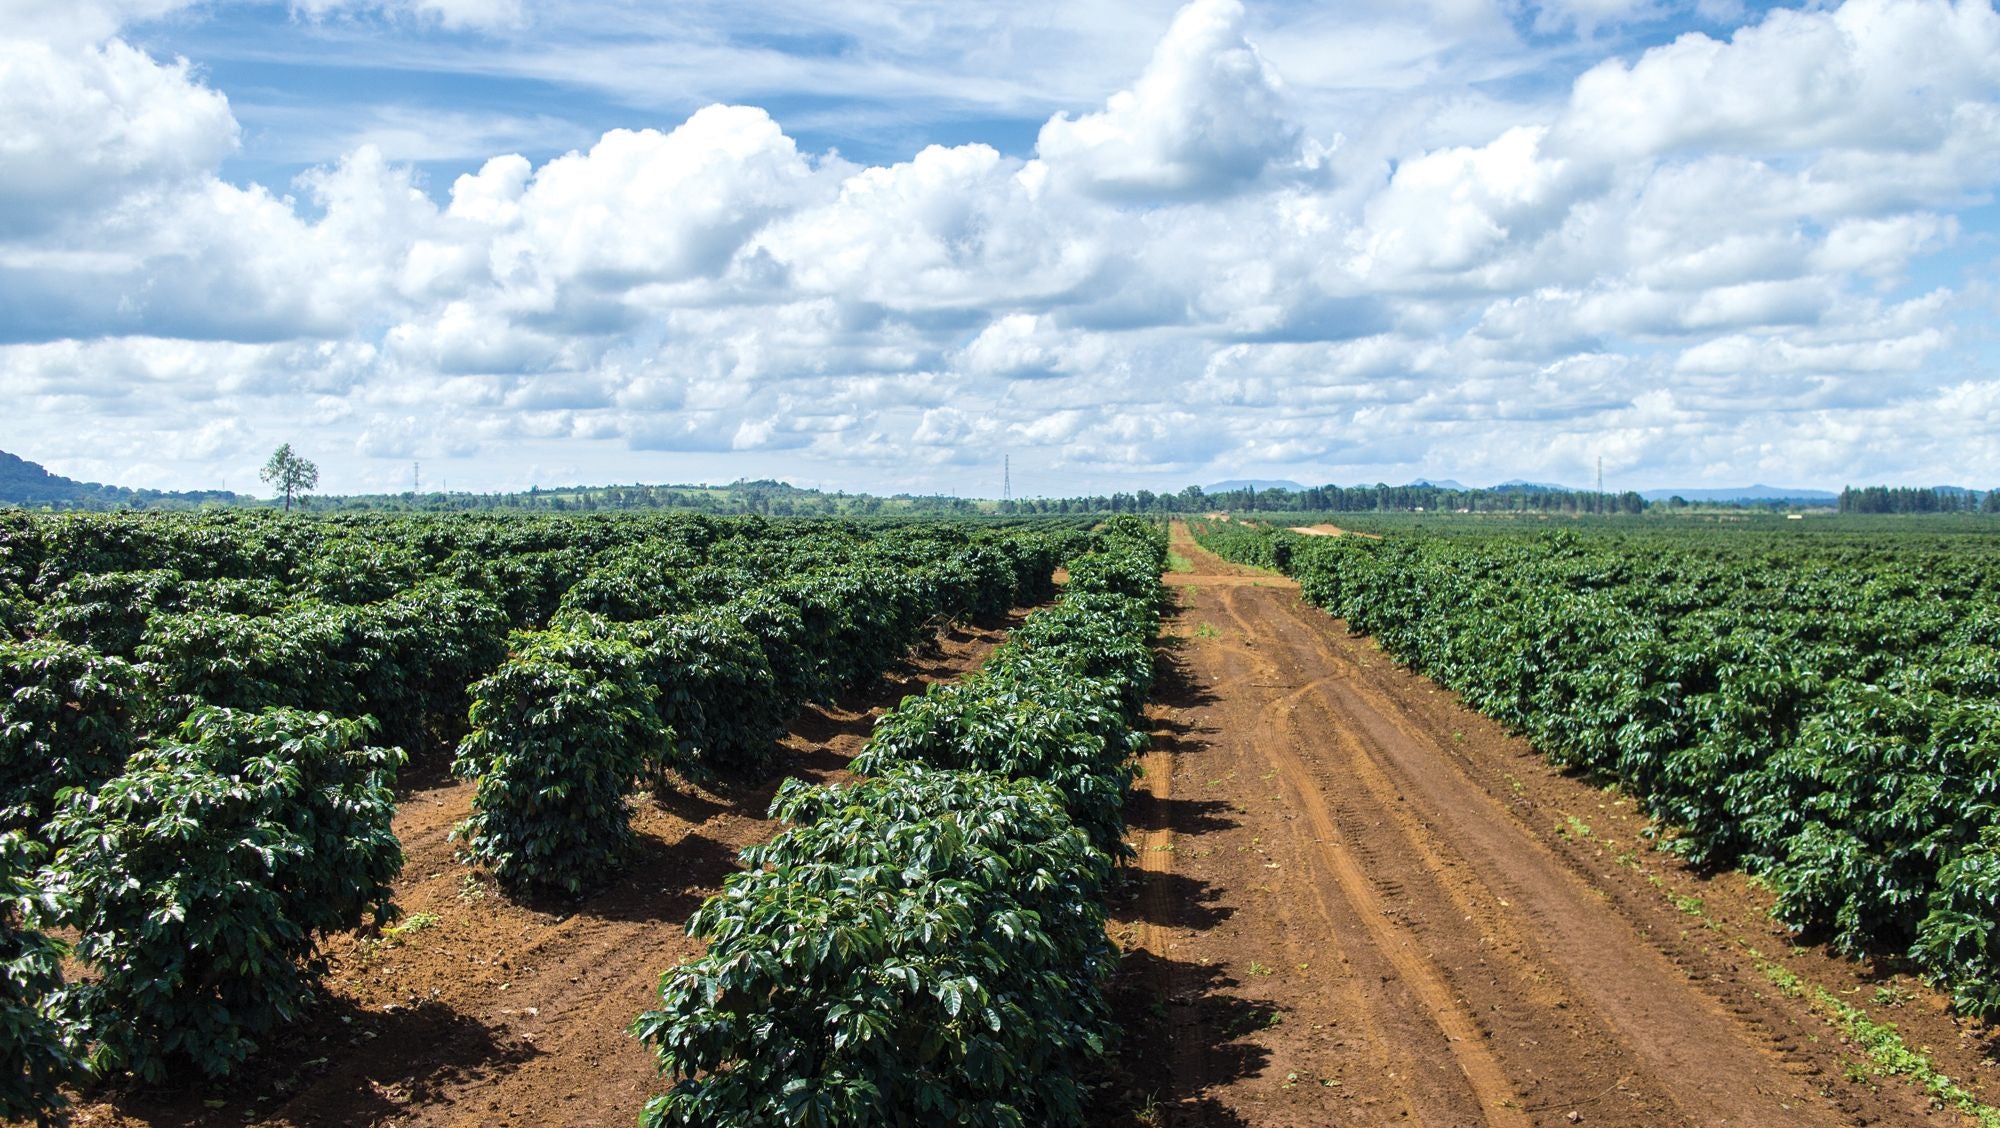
(1206, 117)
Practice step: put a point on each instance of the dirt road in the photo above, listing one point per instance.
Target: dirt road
(1360, 902)
(1332, 531)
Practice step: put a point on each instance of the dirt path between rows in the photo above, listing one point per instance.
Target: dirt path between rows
(495, 1013)
(1360, 902)
(1332, 531)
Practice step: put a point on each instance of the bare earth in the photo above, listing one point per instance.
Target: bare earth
(1360, 902)
(1332, 531)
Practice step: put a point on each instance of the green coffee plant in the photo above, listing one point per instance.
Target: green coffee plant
(925, 947)
(411, 658)
(718, 693)
(199, 880)
(66, 720)
(560, 733)
(107, 611)
(250, 662)
(1011, 727)
(35, 1058)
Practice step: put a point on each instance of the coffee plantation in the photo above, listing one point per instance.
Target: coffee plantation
(205, 717)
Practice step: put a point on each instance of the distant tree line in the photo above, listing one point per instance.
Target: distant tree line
(1380, 498)
(764, 497)
(1912, 499)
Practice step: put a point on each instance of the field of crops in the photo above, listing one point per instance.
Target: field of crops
(214, 729)
(1821, 709)
(205, 719)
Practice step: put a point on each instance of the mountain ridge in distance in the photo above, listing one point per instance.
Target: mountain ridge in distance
(1254, 484)
(1742, 493)
(23, 482)
(1521, 484)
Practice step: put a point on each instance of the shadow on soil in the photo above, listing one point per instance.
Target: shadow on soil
(1172, 900)
(1181, 816)
(662, 882)
(1183, 1036)
(372, 1068)
(1173, 686)
(692, 806)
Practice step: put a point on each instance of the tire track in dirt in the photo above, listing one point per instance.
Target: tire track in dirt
(1492, 1097)
(1466, 952)
(1668, 1030)
(1670, 997)
(1156, 782)
(1317, 930)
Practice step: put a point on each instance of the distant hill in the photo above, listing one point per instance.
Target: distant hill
(1253, 484)
(1440, 483)
(1743, 493)
(29, 484)
(1520, 484)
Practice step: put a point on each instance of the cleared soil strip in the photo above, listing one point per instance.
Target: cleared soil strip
(494, 1013)
(1331, 531)
(1359, 901)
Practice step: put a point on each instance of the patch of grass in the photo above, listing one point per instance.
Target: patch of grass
(1887, 1055)
(1206, 630)
(1178, 563)
(411, 925)
(1890, 995)
(396, 935)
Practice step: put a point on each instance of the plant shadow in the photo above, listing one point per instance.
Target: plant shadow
(662, 882)
(1184, 1035)
(345, 1065)
(1171, 900)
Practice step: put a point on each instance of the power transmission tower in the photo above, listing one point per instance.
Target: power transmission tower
(1006, 477)
(416, 478)
(1600, 483)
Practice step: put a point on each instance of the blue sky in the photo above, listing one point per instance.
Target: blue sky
(881, 245)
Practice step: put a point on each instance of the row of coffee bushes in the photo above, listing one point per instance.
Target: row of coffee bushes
(202, 803)
(581, 708)
(1821, 711)
(121, 626)
(355, 558)
(106, 660)
(927, 946)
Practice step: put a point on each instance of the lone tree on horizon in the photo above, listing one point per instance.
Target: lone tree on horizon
(291, 474)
